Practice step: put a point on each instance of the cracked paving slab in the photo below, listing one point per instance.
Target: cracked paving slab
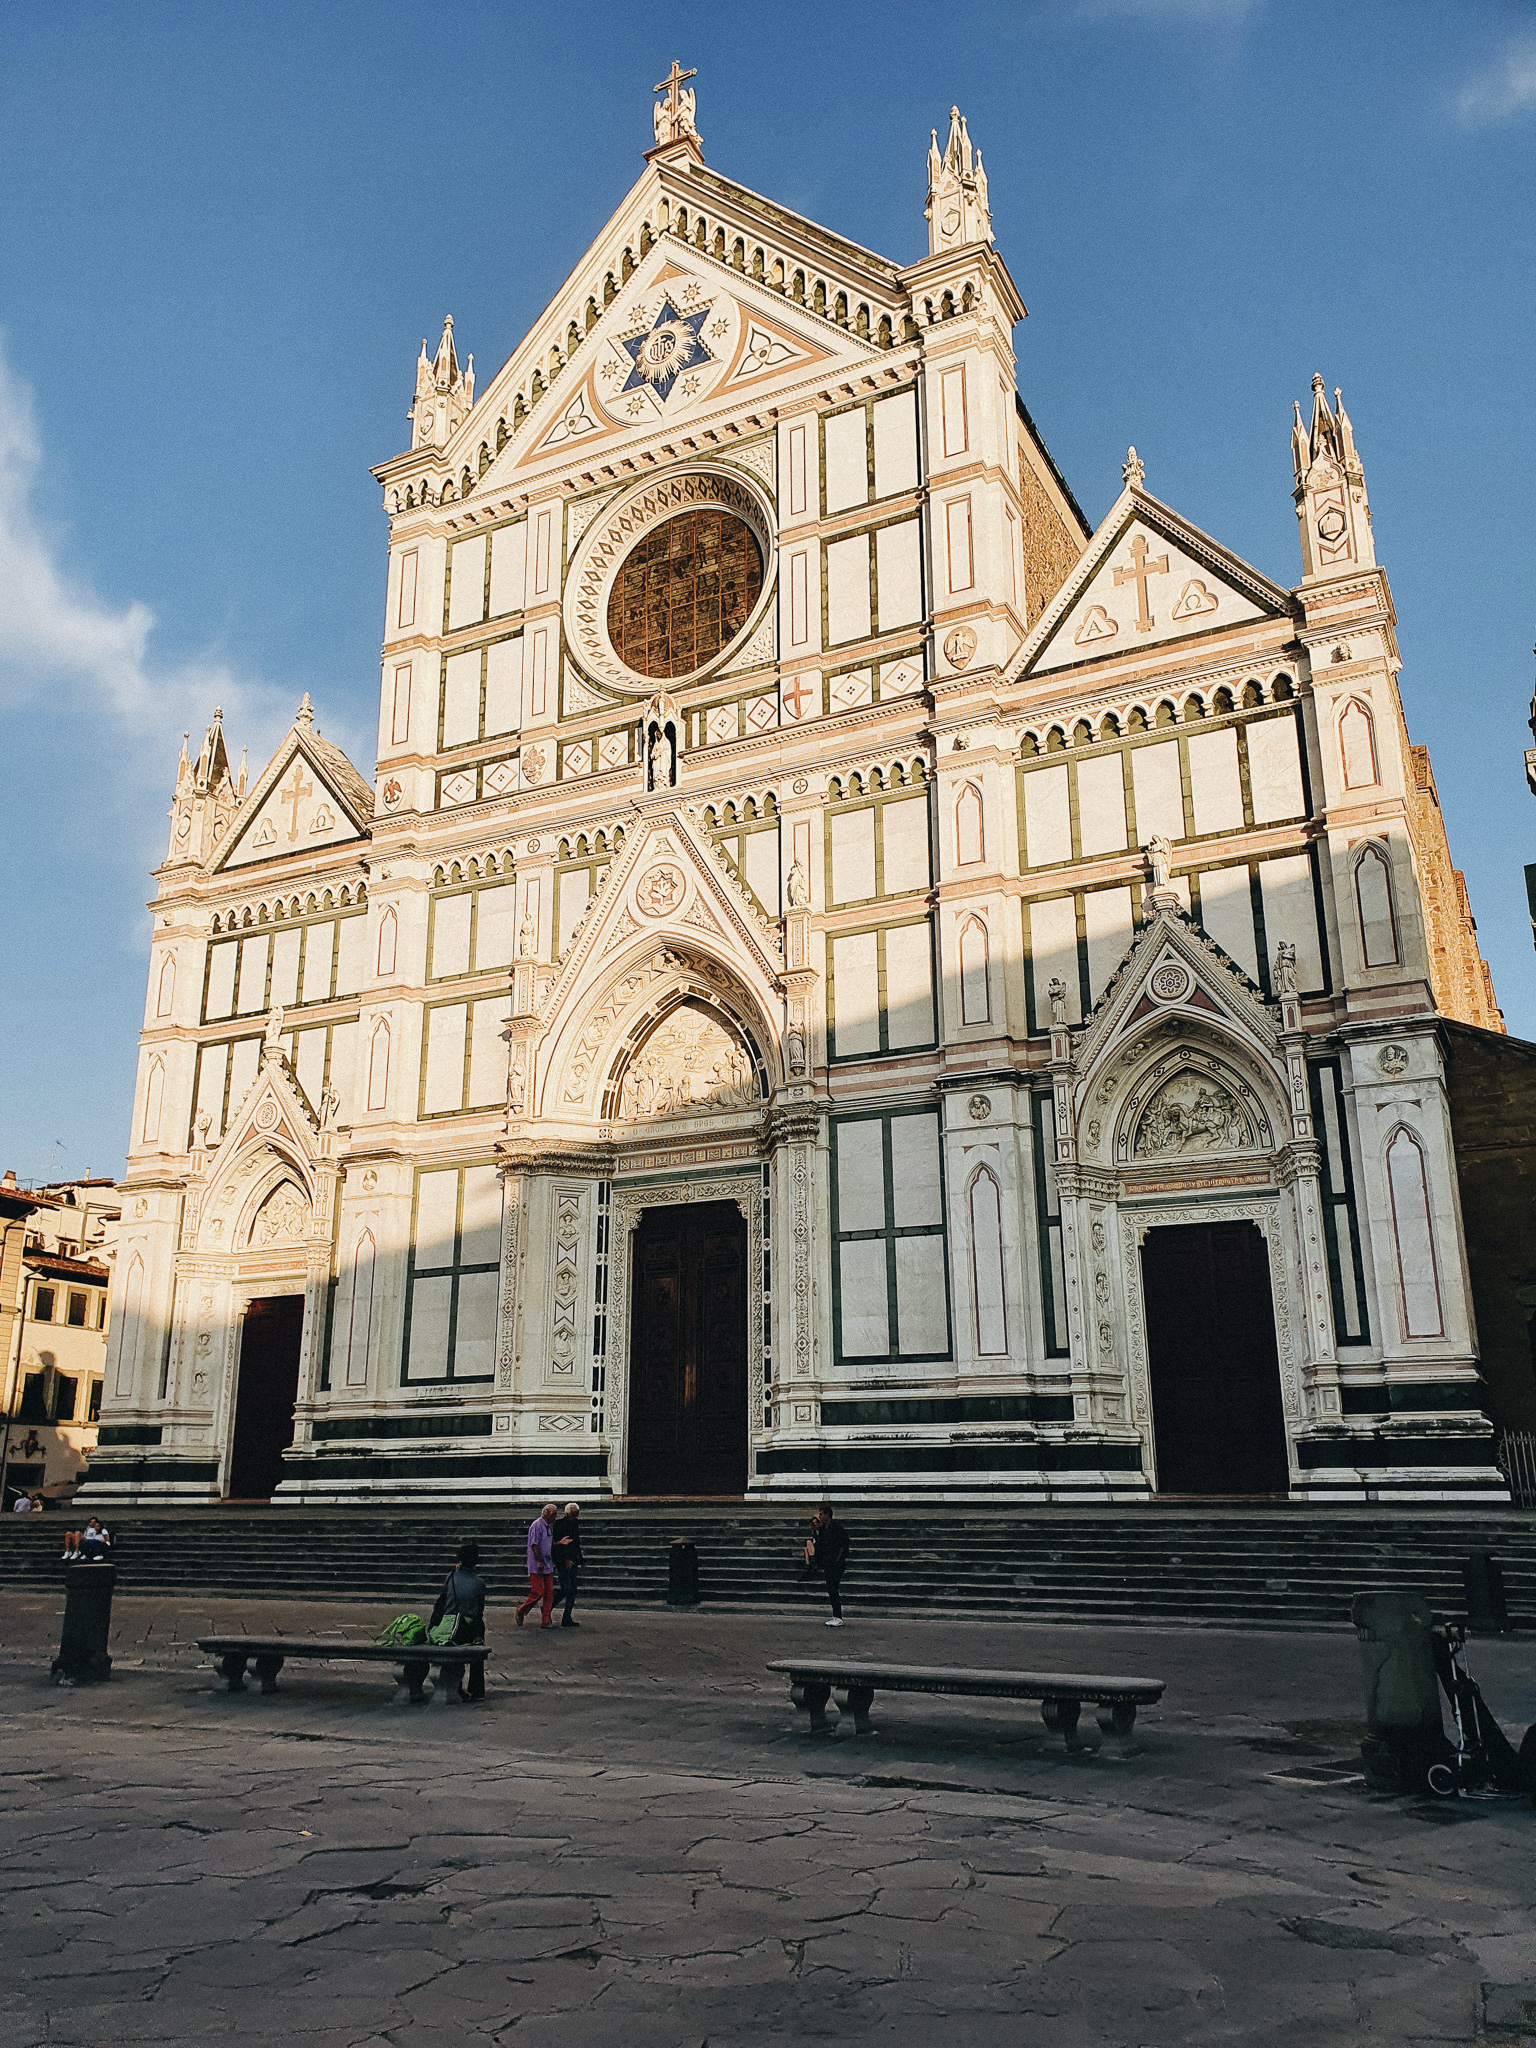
(636, 1841)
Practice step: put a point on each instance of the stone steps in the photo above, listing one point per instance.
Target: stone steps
(1229, 1567)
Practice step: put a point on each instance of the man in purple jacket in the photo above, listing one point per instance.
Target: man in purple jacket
(541, 1565)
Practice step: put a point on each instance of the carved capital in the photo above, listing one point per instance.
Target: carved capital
(792, 1123)
(556, 1155)
(1300, 1159)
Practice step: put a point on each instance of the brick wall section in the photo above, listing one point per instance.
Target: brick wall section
(1493, 1119)
(1462, 984)
(1052, 543)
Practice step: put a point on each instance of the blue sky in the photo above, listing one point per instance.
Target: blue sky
(225, 230)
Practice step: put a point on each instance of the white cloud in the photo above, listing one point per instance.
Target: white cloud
(55, 630)
(1505, 87)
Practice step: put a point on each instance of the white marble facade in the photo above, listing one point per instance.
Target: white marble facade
(989, 893)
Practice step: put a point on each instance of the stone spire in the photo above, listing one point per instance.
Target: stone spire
(206, 797)
(1133, 471)
(1331, 504)
(444, 393)
(957, 211)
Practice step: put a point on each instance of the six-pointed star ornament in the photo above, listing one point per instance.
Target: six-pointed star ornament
(667, 348)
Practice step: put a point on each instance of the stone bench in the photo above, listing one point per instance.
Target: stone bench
(269, 1654)
(1062, 1695)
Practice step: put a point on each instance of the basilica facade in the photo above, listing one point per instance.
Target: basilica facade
(844, 979)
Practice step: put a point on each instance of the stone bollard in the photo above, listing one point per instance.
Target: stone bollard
(683, 1576)
(1404, 1734)
(83, 1658)
(1487, 1607)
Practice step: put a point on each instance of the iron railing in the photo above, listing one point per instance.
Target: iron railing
(1517, 1461)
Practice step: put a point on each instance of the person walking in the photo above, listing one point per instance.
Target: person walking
(826, 1551)
(463, 1595)
(568, 1558)
(541, 1566)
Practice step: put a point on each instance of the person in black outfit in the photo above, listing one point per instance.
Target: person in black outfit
(826, 1551)
(464, 1592)
(566, 1536)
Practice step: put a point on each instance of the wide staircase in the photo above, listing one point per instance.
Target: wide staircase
(1213, 1566)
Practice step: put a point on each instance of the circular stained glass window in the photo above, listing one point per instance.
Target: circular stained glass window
(684, 593)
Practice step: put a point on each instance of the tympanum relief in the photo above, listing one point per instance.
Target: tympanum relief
(282, 1219)
(689, 1066)
(1192, 1113)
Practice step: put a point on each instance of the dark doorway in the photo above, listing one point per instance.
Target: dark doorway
(265, 1393)
(1216, 1411)
(688, 1352)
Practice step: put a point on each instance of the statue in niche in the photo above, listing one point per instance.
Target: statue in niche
(1191, 1114)
(1057, 995)
(1284, 973)
(797, 890)
(691, 1065)
(794, 1049)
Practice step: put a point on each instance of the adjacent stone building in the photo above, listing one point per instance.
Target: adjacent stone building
(56, 1357)
(844, 978)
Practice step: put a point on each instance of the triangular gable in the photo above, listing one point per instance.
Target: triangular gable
(685, 336)
(1173, 970)
(273, 1112)
(1147, 578)
(664, 192)
(303, 800)
(711, 902)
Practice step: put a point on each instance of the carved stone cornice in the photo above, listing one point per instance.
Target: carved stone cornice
(556, 1155)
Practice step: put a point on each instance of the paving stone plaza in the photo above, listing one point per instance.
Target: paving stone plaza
(636, 1842)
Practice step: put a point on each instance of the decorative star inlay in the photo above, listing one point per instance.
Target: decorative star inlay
(669, 346)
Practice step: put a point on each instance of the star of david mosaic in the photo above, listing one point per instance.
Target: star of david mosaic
(669, 346)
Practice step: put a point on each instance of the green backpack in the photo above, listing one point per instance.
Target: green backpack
(405, 1628)
(445, 1632)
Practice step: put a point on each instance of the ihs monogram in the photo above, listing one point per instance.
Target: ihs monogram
(670, 345)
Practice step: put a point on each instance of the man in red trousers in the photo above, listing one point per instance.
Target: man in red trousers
(541, 1565)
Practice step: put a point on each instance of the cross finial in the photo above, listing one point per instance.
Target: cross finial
(673, 116)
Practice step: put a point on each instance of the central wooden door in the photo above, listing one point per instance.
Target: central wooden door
(1217, 1416)
(264, 1395)
(688, 1352)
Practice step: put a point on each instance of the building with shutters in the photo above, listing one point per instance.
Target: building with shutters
(844, 978)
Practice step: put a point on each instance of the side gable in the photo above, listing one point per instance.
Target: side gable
(309, 796)
(1147, 578)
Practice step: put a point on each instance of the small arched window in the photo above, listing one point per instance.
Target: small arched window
(128, 1330)
(969, 838)
(989, 1295)
(1418, 1275)
(1357, 743)
(378, 1065)
(154, 1096)
(360, 1327)
(165, 996)
(389, 932)
(1373, 899)
(975, 1000)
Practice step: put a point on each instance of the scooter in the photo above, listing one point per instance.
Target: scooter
(1484, 1763)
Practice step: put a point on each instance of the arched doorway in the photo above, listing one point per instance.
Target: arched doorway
(266, 1390)
(1217, 1416)
(688, 1351)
